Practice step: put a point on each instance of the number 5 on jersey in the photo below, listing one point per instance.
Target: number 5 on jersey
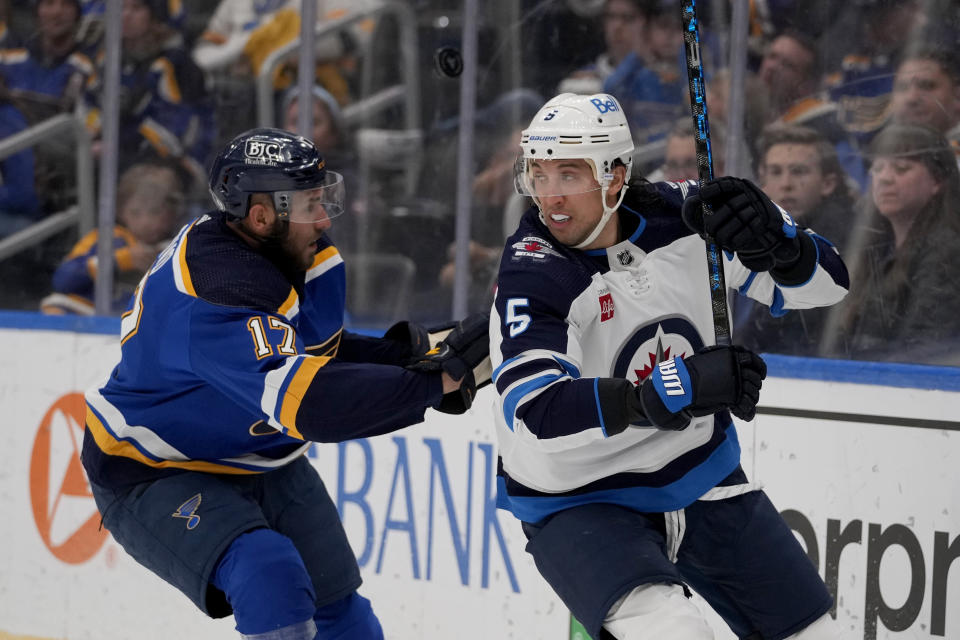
(518, 322)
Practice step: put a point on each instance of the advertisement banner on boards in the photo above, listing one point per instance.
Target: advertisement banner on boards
(863, 472)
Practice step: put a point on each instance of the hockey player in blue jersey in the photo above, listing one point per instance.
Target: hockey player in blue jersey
(234, 357)
(618, 452)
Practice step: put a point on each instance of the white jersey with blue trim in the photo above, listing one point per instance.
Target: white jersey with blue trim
(564, 318)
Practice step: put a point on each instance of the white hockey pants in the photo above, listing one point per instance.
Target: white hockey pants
(656, 611)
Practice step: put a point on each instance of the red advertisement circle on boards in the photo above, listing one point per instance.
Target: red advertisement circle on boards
(63, 507)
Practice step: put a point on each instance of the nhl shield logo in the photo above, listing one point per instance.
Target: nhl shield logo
(625, 258)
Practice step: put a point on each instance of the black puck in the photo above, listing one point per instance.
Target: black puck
(448, 62)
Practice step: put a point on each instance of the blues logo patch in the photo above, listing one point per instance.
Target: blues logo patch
(188, 511)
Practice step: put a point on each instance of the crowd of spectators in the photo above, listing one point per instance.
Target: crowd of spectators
(839, 99)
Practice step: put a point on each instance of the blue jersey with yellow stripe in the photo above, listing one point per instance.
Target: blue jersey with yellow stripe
(165, 108)
(230, 365)
(40, 79)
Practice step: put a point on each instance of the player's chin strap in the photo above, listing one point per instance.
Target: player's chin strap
(607, 211)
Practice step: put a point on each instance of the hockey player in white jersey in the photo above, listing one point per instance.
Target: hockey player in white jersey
(618, 451)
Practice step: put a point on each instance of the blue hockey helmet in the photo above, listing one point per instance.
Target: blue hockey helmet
(285, 165)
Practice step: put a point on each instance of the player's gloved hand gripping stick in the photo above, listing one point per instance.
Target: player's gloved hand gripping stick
(460, 349)
(746, 221)
(682, 388)
(713, 379)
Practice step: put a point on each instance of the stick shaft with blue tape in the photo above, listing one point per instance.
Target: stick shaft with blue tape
(701, 134)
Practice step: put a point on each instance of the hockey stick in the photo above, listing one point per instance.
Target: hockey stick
(701, 129)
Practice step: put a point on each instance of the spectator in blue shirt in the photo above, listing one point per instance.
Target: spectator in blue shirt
(19, 206)
(38, 81)
(165, 108)
(651, 83)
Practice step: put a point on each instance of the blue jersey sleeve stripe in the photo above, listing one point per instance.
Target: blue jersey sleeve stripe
(572, 370)
(518, 393)
(503, 365)
(278, 411)
(776, 309)
(596, 397)
(291, 395)
(531, 364)
(526, 371)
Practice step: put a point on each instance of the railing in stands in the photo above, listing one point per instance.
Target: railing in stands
(81, 214)
(407, 91)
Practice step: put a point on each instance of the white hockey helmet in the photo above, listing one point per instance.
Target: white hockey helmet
(571, 126)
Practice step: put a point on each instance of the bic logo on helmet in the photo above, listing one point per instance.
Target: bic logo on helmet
(262, 152)
(604, 106)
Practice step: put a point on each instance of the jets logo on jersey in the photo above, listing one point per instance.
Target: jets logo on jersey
(533, 247)
(263, 152)
(657, 342)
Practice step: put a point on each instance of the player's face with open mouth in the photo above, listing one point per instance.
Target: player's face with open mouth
(569, 197)
(311, 211)
(300, 243)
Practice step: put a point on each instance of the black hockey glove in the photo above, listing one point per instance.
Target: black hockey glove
(462, 351)
(412, 335)
(746, 221)
(713, 379)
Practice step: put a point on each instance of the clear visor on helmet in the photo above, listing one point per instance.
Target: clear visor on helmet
(561, 177)
(317, 204)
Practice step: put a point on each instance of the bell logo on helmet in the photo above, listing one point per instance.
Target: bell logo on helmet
(604, 106)
(262, 152)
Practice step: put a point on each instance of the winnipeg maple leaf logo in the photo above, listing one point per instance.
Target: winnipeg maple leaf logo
(655, 358)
